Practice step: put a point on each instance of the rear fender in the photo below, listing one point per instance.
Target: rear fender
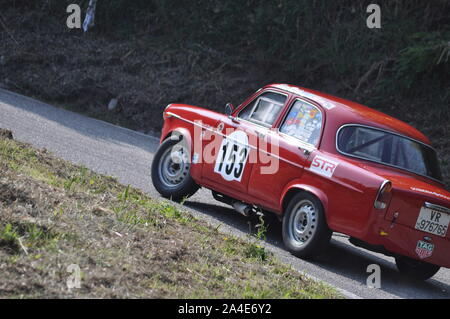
(296, 187)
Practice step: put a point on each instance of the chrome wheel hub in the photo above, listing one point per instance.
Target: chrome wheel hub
(174, 166)
(303, 222)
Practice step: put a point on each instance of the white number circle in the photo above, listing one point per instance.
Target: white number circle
(232, 157)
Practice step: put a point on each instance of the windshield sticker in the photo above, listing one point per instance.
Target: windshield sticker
(323, 166)
(303, 122)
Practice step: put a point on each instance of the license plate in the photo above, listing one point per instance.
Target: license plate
(433, 221)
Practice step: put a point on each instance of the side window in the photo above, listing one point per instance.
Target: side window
(265, 109)
(304, 121)
(365, 142)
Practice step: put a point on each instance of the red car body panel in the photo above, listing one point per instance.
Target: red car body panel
(347, 195)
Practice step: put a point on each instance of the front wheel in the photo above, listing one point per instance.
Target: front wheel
(170, 170)
(415, 268)
(305, 231)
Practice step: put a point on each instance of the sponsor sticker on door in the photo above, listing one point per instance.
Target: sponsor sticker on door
(424, 249)
(323, 166)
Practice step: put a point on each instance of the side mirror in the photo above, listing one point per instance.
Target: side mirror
(229, 108)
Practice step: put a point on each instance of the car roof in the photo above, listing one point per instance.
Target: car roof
(346, 112)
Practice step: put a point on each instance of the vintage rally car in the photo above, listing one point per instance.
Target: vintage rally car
(322, 164)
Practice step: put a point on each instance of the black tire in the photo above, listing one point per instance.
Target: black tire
(416, 269)
(305, 230)
(174, 186)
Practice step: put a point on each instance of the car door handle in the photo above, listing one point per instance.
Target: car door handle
(305, 151)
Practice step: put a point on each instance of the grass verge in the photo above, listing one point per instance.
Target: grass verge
(126, 245)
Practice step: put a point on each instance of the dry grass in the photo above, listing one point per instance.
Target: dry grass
(127, 245)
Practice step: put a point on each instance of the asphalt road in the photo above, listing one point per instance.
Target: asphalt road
(127, 155)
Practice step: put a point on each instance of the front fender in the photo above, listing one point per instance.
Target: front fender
(177, 132)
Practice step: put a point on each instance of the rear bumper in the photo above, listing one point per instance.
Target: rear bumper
(403, 240)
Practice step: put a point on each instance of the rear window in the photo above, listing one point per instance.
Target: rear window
(390, 149)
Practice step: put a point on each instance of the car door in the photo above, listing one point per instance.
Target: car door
(237, 144)
(289, 148)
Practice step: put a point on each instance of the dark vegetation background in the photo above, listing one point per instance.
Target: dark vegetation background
(148, 53)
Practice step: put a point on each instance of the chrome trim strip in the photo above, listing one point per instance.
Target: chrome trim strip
(270, 154)
(381, 163)
(223, 135)
(266, 130)
(334, 180)
(309, 147)
(203, 127)
(170, 114)
(437, 207)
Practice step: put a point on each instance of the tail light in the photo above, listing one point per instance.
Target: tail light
(383, 196)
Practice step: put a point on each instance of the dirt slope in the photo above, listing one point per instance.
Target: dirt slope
(56, 217)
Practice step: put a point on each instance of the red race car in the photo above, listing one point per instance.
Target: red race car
(322, 164)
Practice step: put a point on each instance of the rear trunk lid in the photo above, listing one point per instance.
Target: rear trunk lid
(419, 205)
(417, 201)
(419, 213)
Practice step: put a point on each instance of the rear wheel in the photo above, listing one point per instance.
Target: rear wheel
(305, 231)
(415, 268)
(170, 170)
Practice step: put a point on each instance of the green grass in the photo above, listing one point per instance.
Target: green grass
(127, 244)
(20, 237)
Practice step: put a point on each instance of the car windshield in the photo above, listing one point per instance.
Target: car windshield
(390, 149)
